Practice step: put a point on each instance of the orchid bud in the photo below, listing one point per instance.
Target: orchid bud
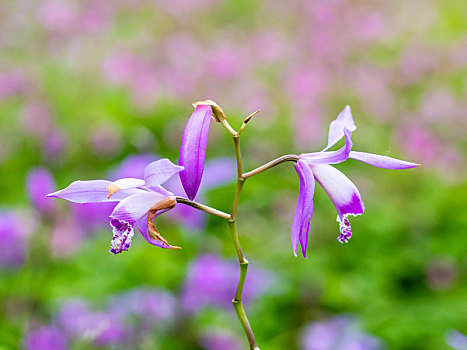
(193, 149)
(217, 112)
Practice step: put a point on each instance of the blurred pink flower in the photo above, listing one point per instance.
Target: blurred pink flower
(11, 83)
(35, 118)
(57, 16)
(96, 15)
(225, 62)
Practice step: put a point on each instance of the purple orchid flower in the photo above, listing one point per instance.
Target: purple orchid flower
(139, 202)
(193, 149)
(339, 188)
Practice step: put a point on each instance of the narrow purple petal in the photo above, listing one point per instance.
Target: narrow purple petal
(93, 191)
(142, 225)
(193, 149)
(382, 161)
(159, 172)
(336, 129)
(343, 194)
(133, 208)
(304, 211)
(331, 157)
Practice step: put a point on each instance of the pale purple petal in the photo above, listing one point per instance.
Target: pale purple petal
(336, 129)
(193, 149)
(129, 182)
(343, 194)
(133, 208)
(304, 211)
(142, 225)
(159, 172)
(331, 157)
(161, 190)
(382, 161)
(92, 191)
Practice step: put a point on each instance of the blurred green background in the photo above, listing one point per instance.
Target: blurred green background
(84, 85)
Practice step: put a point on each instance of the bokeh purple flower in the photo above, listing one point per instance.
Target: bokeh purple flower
(46, 338)
(13, 235)
(219, 339)
(40, 182)
(212, 280)
(339, 333)
(102, 328)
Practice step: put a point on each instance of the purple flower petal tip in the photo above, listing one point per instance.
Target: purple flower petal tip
(304, 211)
(193, 149)
(159, 172)
(336, 128)
(380, 161)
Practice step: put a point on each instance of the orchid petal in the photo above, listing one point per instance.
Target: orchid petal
(92, 191)
(331, 157)
(343, 194)
(159, 172)
(133, 208)
(193, 149)
(382, 161)
(142, 225)
(336, 128)
(128, 183)
(339, 188)
(304, 211)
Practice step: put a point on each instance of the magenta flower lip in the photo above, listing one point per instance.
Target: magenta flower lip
(342, 192)
(136, 198)
(193, 149)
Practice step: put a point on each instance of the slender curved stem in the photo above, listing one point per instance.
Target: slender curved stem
(202, 207)
(237, 301)
(271, 164)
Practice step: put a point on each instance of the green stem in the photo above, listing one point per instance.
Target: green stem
(237, 302)
(271, 164)
(202, 207)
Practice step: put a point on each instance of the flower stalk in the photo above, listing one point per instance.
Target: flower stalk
(237, 301)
